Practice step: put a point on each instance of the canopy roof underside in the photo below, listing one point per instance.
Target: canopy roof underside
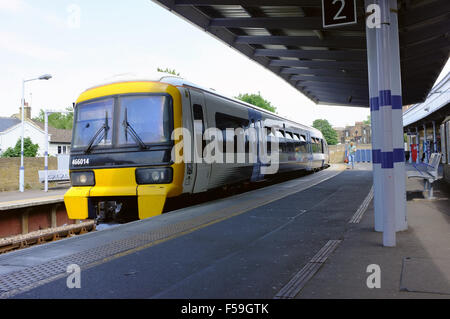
(329, 66)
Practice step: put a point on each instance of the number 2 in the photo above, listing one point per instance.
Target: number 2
(338, 16)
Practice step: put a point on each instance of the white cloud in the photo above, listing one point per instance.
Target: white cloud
(13, 5)
(15, 44)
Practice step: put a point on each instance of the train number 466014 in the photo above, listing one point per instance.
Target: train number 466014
(80, 161)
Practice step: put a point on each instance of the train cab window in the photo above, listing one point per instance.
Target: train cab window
(90, 117)
(144, 118)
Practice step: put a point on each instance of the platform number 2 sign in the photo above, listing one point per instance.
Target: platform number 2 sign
(338, 12)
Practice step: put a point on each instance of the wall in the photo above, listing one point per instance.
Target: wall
(337, 152)
(9, 172)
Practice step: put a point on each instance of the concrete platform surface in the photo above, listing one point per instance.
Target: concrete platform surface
(418, 267)
(16, 199)
(41, 264)
(297, 239)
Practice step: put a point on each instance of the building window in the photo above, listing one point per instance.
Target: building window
(59, 149)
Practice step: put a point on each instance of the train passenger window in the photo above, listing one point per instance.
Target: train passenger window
(225, 121)
(303, 138)
(288, 136)
(269, 131)
(279, 134)
(296, 138)
(313, 144)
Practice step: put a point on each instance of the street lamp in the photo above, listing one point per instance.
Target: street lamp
(22, 168)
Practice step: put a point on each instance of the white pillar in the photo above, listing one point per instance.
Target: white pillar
(375, 123)
(383, 36)
(397, 123)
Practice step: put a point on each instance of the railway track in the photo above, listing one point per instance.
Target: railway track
(44, 236)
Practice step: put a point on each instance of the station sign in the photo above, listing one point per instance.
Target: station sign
(338, 12)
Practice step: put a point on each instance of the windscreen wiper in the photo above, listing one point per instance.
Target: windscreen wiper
(129, 128)
(104, 128)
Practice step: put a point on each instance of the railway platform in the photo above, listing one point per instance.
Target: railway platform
(32, 210)
(310, 237)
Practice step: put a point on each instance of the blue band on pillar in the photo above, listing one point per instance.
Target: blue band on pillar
(387, 159)
(385, 98)
(374, 104)
(396, 102)
(376, 156)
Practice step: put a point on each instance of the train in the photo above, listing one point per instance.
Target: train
(127, 159)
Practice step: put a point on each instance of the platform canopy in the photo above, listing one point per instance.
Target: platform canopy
(329, 65)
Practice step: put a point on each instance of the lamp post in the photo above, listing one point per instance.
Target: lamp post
(22, 168)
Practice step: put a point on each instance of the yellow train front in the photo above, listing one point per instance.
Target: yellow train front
(120, 165)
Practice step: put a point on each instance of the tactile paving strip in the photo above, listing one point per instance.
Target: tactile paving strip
(356, 218)
(293, 287)
(31, 277)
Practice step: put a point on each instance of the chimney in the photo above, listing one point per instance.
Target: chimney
(27, 111)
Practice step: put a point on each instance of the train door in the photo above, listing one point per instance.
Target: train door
(309, 149)
(256, 122)
(203, 170)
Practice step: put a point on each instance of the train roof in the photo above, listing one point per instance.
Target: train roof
(179, 81)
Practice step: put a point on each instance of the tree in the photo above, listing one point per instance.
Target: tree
(367, 121)
(29, 149)
(62, 121)
(167, 70)
(257, 100)
(328, 132)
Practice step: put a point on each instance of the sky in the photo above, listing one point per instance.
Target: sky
(81, 43)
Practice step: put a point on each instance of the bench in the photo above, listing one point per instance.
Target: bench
(429, 174)
(55, 176)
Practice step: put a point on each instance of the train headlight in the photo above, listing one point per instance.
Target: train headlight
(154, 175)
(82, 178)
